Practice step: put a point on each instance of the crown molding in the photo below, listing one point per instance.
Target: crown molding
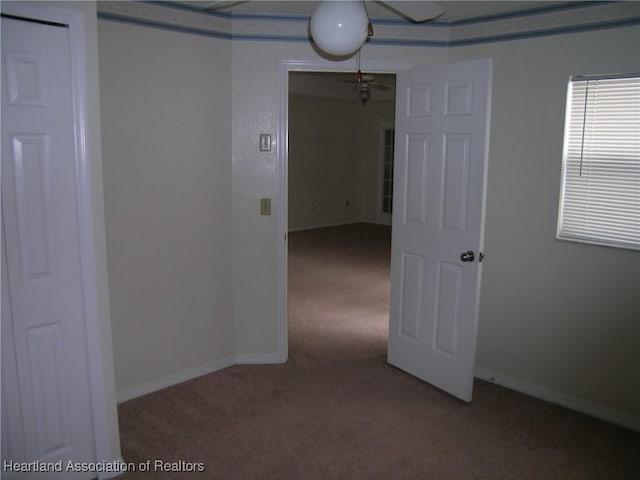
(579, 16)
(587, 16)
(166, 16)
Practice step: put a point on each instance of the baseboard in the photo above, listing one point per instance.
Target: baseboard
(259, 359)
(191, 373)
(174, 379)
(326, 225)
(604, 413)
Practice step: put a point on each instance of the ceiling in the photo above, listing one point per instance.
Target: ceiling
(341, 85)
(455, 10)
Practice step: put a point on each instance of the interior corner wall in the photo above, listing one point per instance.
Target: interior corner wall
(558, 316)
(166, 131)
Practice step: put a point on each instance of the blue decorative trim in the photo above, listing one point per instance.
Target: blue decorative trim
(282, 17)
(408, 43)
(163, 26)
(408, 23)
(266, 38)
(185, 7)
(528, 12)
(568, 5)
(227, 15)
(544, 33)
(374, 41)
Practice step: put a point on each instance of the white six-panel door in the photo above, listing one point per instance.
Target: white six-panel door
(442, 126)
(46, 390)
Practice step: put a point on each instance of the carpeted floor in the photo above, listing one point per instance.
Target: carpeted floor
(336, 410)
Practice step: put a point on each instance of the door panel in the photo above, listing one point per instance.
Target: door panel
(45, 311)
(442, 119)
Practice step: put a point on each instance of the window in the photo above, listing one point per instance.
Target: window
(600, 192)
(387, 179)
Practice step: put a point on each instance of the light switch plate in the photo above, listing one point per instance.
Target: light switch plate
(265, 142)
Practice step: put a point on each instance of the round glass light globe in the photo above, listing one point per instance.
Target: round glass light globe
(339, 27)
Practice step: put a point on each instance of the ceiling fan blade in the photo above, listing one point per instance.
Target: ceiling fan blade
(379, 86)
(220, 4)
(415, 11)
(366, 77)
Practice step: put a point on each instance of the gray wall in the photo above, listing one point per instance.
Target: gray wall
(333, 158)
(166, 130)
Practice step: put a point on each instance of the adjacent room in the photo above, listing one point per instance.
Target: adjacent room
(340, 175)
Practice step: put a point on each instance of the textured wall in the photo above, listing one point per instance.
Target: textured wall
(561, 315)
(325, 138)
(166, 120)
(333, 157)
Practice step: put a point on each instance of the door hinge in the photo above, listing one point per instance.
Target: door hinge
(480, 257)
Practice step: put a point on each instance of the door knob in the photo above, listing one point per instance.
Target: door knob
(467, 256)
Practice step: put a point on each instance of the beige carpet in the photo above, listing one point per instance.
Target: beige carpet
(336, 410)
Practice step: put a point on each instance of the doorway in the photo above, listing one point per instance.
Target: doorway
(339, 240)
(443, 119)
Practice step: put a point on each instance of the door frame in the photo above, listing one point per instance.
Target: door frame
(282, 194)
(89, 193)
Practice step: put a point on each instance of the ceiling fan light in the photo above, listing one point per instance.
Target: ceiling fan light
(339, 28)
(364, 95)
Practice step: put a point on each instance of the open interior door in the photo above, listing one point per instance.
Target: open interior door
(442, 137)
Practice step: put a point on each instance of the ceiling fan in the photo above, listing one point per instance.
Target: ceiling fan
(369, 80)
(411, 10)
(363, 83)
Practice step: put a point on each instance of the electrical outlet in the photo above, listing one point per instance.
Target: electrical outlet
(265, 206)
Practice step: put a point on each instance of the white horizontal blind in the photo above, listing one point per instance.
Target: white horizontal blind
(600, 198)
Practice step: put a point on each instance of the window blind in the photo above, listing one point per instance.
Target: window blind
(600, 196)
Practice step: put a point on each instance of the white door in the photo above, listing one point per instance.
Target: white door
(442, 131)
(46, 392)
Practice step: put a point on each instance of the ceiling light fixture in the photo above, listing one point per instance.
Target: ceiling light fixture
(364, 94)
(340, 28)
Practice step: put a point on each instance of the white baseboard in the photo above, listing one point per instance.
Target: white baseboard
(259, 359)
(174, 379)
(191, 373)
(325, 225)
(573, 403)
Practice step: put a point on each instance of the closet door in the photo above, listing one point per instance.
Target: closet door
(46, 407)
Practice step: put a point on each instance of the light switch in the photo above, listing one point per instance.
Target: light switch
(265, 206)
(265, 142)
